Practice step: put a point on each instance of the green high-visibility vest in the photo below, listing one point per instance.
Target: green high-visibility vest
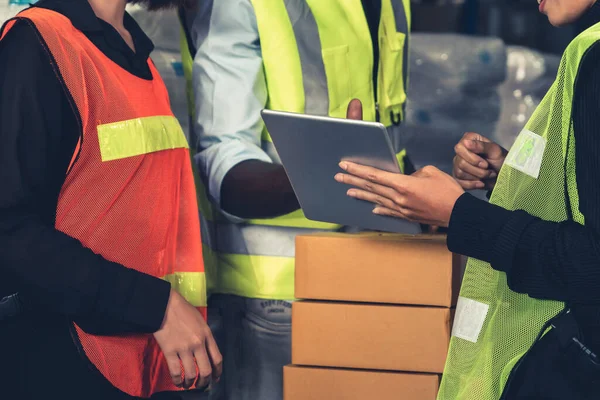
(494, 326)
(317, 56)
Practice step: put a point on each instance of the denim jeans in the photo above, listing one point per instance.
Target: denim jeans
(254, 336)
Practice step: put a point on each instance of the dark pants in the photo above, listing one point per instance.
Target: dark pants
(558, 367)
(38, 360)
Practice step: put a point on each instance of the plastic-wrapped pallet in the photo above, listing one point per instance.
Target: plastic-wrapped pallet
(529, 75)
(448, 70)
(458, 61)
(10, 8)
(4, 12)
(464, 84)
(161, 26)
(453, 89)
(454, 78)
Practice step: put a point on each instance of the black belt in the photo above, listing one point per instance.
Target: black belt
(10, 307)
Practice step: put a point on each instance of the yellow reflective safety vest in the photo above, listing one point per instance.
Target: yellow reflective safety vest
(317, 56)
(494, 326)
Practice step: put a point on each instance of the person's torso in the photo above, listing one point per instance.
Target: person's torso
(325, 50)
(495, 326)
(317, 56)
(129, 193)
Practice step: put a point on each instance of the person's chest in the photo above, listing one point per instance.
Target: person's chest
(130, 50)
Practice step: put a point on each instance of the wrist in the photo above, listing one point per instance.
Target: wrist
(474, 227)
(288, 200)
(173, 298)
(452, 208)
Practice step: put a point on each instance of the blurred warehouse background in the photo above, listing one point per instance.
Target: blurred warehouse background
(476, 65)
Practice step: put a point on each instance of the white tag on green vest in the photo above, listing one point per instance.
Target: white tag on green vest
(469, 319)
(527, 153)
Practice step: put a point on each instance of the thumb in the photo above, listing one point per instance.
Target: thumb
(355, 110)
(489, 150)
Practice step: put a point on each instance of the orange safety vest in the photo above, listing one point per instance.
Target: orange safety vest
(129, 193)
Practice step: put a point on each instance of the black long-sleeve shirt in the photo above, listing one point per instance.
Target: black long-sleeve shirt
(39, 131)
(546, 260)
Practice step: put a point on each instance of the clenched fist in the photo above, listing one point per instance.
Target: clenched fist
(186, 341)
(478, 161)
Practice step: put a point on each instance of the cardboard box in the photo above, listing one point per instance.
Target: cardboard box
(306, 383)
(382, 337)
(377, 268)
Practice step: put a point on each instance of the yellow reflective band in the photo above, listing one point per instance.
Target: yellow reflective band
(295, 219)
(258, 277)
(211, 263)
(139, 136)
(191, 285)
(265, 137)
(400, 157)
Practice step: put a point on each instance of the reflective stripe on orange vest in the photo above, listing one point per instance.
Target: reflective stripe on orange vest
(129, 195)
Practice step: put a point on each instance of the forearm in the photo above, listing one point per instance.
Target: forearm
(558, 261)
(231, 90)
(545, 260)
(54, 272)
(257, 189)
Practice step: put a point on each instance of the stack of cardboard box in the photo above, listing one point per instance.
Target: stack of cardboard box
(375, 316)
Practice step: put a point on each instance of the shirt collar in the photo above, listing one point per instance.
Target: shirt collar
(143, 44)
(83, 18)
(589, 19)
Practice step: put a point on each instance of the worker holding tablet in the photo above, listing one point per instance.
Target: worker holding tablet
(527, 322)
(306, 56)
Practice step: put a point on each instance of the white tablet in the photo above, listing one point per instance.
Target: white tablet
(311, 148)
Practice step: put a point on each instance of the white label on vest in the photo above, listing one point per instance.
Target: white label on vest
(469, 319)
(527, 153)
